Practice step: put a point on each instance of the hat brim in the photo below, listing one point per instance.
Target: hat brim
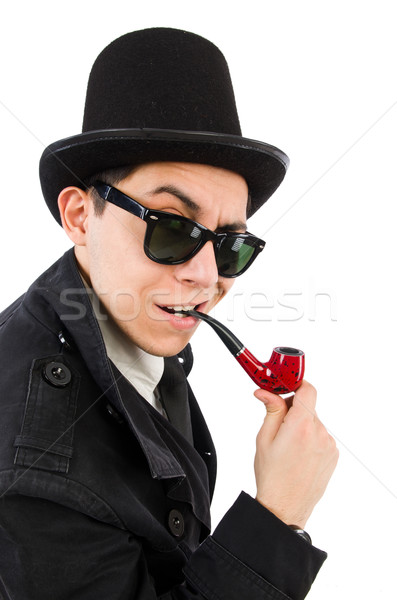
(70, 161)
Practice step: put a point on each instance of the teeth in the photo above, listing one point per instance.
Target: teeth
(179, 308)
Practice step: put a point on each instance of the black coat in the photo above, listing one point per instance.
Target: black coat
(101, 497)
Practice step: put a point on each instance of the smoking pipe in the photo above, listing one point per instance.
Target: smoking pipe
(284, 371)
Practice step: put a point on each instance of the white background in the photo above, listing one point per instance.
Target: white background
(319, 80)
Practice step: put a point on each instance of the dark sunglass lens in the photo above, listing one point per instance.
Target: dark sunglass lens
(173, 239)
(234, 255)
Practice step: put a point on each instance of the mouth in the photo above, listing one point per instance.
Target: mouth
(180, 310)
(179, 318)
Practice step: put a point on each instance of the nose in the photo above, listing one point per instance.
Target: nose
(201, 270)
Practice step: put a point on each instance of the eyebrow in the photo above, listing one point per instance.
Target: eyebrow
(236, 226)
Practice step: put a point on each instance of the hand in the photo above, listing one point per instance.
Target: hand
(295, 455)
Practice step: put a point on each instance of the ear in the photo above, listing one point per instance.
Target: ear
(74, 204)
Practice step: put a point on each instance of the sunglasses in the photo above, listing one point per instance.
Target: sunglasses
(172, 239)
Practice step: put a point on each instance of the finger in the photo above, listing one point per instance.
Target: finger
(288, 399)
(276, 409)
(305, 399)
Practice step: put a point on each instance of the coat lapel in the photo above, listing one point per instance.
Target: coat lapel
(59, 299)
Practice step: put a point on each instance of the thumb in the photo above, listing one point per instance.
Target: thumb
(276, 409)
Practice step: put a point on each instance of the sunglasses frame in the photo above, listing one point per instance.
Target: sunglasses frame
(152, 217)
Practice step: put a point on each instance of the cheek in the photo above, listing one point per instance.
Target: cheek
(118, 263)
(224, 287)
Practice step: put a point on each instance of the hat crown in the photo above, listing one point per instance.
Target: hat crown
(160, 95)
(161, 78)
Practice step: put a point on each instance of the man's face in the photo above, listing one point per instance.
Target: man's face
(132, 288)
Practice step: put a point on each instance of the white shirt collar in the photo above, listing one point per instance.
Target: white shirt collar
(141, 369)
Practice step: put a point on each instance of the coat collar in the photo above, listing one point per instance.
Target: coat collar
(59, 300)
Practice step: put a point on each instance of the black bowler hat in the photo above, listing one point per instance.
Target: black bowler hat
(160, 95)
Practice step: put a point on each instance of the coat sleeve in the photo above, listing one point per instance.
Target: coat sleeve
(48, 551)
(252, 554)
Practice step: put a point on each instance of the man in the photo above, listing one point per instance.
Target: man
(107, 467)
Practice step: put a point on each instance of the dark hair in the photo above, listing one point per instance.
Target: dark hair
(111, 177)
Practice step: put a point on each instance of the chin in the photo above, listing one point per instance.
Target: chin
(158, 342)
(165, 350)
(168, 347)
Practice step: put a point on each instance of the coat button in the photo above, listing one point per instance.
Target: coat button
(113, 413)
(57, 374)
(176, 523)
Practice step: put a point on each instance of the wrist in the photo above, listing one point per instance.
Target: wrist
(286, 516)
